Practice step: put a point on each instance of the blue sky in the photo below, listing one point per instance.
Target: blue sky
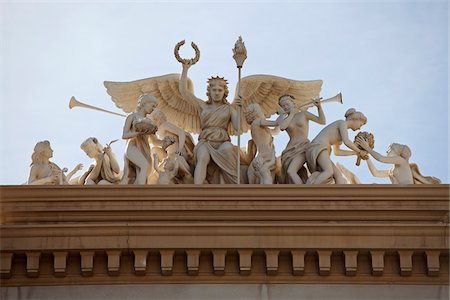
(389, 60)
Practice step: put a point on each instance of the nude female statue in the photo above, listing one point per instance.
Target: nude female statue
(214, 149)
(137, 128)
(402, 172)
(330, 138)
(262, 167)
(105, 169)
(43, 171)
(296, 124)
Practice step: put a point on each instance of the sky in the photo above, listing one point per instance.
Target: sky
(388, 58)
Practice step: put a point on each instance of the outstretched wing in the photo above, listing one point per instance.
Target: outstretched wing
(266, 89)
(165, 89)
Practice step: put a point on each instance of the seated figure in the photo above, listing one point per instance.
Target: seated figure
(45, 172)
(402, 172)
(105, 169)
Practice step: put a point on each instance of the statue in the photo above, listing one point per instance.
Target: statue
(215, 120)
(262, 168)
(402, 172)
(171, 139)
(45, 172)
(137, 128)
(105, 169)
(173, 170)
(318, 153)
(296, 124)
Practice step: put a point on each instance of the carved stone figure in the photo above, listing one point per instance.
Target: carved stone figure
(296, 124)
(105, 169)
(214, 120)
(402, 172)
(330, 138)
(45, 172)
(171, 139)
(262, 168)
(172, 170)
(136, 131)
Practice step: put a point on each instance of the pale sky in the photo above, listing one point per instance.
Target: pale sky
(388, 58)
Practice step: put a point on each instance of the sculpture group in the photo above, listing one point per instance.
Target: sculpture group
(163, 112)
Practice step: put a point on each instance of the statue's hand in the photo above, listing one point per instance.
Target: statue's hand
(362, 143)
(107, 150)
(364, 155)
(238, 101)
(316, 101)
(79, 167)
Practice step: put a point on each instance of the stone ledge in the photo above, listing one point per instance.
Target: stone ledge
(282, 234)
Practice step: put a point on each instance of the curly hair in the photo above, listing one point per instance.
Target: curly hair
(220, 81)
(38, 155)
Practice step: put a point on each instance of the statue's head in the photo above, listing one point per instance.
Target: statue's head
(146, 102)
(287, 103)
(252, 112)
(42, 152)
(91, 147)
(158, 117)
(169, 164)
(355, 119)
(396, 149)
(217, 90)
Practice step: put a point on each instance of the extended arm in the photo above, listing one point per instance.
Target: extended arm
(341, 152)
(375, 172)
(76, 169)
(381, 158)
(184, 91)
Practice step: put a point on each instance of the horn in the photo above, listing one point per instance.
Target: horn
(337, 98)
(74, 102)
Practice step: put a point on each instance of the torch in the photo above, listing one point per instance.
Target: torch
(239, 55)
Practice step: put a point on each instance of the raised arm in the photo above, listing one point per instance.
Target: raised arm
(320, 119)
(381, 158)
(375, 172)
(172, 128)
(184, 91)
(284, 122)
(71, 173)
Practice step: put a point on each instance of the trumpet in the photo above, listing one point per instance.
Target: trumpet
(337, 98)
(74, 102)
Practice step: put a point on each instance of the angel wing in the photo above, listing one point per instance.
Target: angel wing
(165, 89)
(266, 89)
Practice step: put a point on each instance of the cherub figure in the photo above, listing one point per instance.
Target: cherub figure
(171, 139)
(402, 172)
(330, 138)
(136, 131)
(173, 170)
(296, 124)
(105, 169)
(45, 172)
(262, 167)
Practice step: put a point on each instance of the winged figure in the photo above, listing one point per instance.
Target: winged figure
(215, 119)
